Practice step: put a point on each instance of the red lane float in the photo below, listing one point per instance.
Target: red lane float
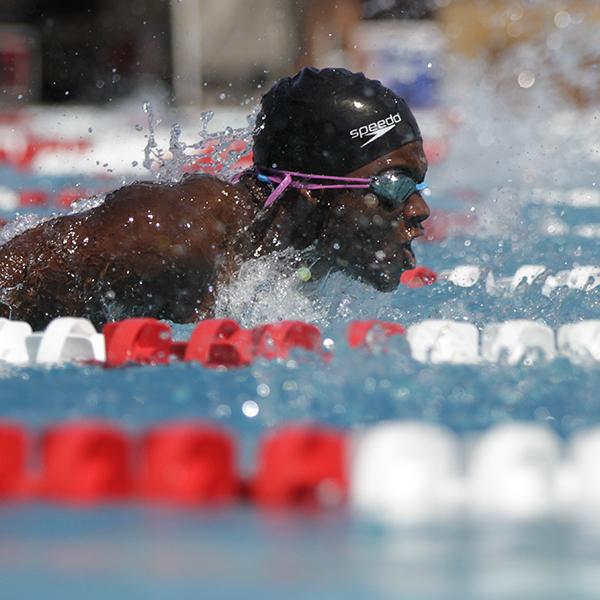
(33, 146)
(33, 198)
(205, 162)
(85, 462)
(13, 460)
(301, 466)
(278, 339)
(188, 463)
(143, 341)
(65, 198)
(418, 277)
(358, 331)
(220, 343)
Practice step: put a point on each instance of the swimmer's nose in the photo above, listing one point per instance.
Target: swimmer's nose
(415, 211)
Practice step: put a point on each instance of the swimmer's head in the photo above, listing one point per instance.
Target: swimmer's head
(337, 123)
(330, 122)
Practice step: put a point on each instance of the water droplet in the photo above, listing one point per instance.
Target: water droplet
(562, 19)
(328, 344)
(526, 79)
(263, 390)
(250, 409)
(223, 411)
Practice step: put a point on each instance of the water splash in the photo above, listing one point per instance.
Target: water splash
(267, 289)
(218, 153)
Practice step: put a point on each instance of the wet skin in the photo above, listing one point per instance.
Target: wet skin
(163, 250)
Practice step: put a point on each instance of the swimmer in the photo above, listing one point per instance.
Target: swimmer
(338, 169)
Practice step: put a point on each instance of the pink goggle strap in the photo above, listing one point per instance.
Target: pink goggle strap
(285, 179)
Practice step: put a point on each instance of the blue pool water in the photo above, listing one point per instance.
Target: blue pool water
(141, 552)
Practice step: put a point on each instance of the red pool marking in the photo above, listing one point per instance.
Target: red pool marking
(301, 466)
(358, 331)
(418, 277)
(146, 341)
(188, 463)
(85, 462)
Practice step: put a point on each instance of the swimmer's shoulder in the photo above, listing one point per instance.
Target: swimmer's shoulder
(190, 186)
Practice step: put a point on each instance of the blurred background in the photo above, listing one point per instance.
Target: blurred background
(97, 52)
(193, 51)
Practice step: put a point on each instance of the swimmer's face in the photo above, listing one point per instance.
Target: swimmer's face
(366, 236)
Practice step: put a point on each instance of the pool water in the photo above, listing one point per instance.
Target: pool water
(528, 195)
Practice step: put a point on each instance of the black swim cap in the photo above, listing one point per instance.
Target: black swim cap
(330, 122)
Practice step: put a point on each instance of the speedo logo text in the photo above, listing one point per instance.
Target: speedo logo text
(376, 129)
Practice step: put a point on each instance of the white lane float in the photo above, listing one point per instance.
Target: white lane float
(585, 457)
(9, 199)
(513, 471)
(577, 197)
(580, 342)
(66, 339)
(464, 276)
(584, 278)
(518, 341)
(405, 472)
(441, 341)
(526, 274)
(12, 341)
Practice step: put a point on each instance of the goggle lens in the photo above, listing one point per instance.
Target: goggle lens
(395, 187)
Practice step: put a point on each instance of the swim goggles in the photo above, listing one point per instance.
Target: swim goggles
(393, 185)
